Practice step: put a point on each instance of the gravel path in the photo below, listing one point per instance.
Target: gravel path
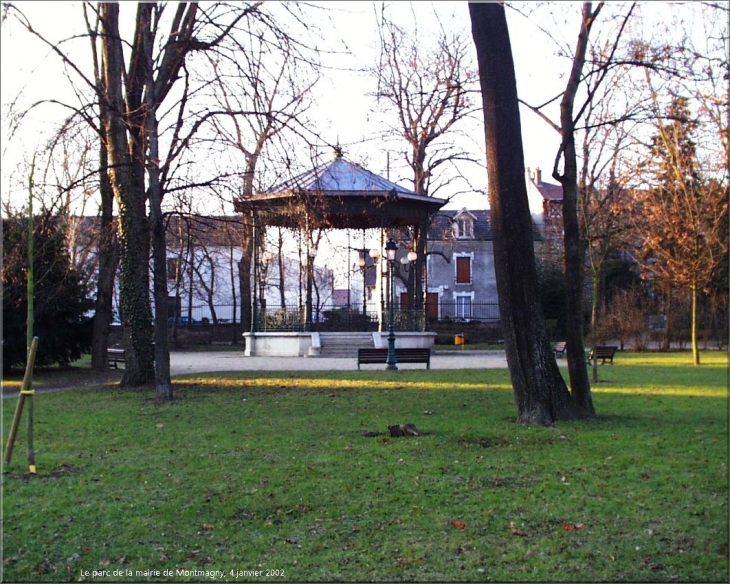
(182, 362)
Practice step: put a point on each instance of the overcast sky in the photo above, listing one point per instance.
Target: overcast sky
(343, 106)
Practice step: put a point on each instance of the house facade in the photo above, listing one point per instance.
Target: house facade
(546, 207)
(204, 272)
(462, 285)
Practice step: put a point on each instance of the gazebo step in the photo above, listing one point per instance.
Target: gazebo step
(345, 344)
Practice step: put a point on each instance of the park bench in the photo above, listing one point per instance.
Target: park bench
(115, 356)
(369, 356)
(604, 353)
(560, 349)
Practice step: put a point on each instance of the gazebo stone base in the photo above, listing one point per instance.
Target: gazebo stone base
(282, 344)
(405, 340)
(307, 344)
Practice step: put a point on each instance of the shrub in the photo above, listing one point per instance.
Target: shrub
(60, 297)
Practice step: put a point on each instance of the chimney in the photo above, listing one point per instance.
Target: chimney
(538, 176)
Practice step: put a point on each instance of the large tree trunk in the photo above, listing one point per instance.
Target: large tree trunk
(541, 394)
(127, 176)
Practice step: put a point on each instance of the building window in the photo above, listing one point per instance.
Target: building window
(463, 270)
(463, 226)
(463, 307)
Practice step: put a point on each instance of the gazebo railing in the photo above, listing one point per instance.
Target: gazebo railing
(341, 318)
(275, 318)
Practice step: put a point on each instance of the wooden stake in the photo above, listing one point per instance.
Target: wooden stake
(24, 390)
(31, 450)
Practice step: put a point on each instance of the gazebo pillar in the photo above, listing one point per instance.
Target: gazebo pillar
(254, 274)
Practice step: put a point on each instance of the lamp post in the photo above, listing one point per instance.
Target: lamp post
(312, 253)
(391, 249)
(375, 255)
(362, 264)
(408, 265)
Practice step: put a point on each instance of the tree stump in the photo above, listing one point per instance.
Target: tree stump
(403, 430)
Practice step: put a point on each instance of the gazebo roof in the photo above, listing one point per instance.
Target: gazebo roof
(341, 194)
(340, 177)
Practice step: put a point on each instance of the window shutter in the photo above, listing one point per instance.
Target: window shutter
(463, 270)
(405, 300)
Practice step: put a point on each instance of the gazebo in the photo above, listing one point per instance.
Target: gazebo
(340, 194)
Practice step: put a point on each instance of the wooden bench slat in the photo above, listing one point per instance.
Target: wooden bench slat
(604, 352)
(405, 355)
(115, 356)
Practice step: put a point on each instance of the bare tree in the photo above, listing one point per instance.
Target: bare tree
(541, 394)
(582, 85)
(260, 95)
(131, 93)
(608, 145)
(428, 87)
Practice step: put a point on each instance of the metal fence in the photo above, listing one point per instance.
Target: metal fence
(342, 318)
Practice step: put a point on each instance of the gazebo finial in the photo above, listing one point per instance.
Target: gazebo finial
(338, 149)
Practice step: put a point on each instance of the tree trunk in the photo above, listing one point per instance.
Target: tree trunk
(127, 176)
(666, 342)
(163, 384)
(695, 346)
(575, 245)
(244, 275)
(108, 256)
(541, 394)
(280, 265)
(574, 265)
(595, 300)
(108, 259)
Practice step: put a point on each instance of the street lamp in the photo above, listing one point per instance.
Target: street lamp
(310, 276)
(375, 255)
(408, 262)
(391, 248)
(362, 264)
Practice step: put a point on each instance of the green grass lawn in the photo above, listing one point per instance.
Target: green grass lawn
(280, 473)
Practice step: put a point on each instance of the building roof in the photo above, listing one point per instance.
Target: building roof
(441, 227)
(550, 192)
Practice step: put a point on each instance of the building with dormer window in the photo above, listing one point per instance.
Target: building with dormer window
(462, 285)
(461, 281)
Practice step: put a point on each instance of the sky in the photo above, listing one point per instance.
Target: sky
(542, 34)
(538, 75)
(343, 108)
